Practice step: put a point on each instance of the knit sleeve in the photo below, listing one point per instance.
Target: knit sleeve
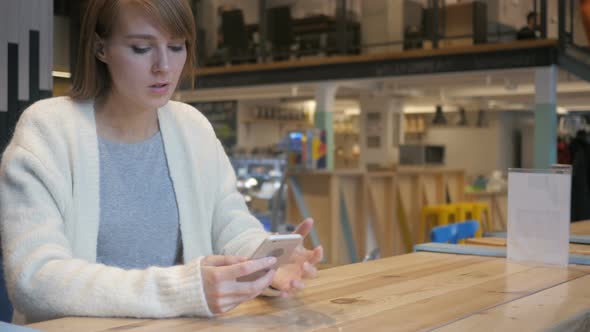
(235, 230)
(45, 280)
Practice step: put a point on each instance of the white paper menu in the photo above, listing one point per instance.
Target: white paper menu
(539, 215)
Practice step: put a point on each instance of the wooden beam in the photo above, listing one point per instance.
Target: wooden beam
(408, 54)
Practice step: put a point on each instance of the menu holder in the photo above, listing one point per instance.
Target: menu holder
(539, 215)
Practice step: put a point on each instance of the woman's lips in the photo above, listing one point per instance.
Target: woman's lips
(159, 88)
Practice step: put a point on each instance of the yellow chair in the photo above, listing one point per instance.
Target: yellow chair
(480, 210)
(475, 211)
(443, 214)
(465, 211)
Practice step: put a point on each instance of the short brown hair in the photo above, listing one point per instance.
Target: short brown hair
(91, 77)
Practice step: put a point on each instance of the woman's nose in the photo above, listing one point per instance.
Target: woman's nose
(161, 62)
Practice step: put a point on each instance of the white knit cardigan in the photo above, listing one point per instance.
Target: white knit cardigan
(49, 217)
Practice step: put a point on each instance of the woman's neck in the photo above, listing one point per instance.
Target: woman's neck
(119, 121)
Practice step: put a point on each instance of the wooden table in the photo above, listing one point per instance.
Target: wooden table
(535, 312)
(579, 232)
(580, 228)
(580, 249)
(403, 293)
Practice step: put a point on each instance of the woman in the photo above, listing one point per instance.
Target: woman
(119, 202)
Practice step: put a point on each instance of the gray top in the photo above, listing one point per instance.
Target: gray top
(139, 224)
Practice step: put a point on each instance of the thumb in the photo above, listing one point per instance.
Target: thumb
(304, 227)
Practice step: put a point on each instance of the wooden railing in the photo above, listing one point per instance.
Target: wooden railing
(346, 204)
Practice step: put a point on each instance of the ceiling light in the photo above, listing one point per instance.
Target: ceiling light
(61, 74)
(352, 111)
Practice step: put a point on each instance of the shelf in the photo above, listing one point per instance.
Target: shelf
(299, 124)
(280, 122)
(415, 132)
(346, 133)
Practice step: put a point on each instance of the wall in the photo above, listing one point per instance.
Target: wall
(207, 20)
(552, 19)
(61, 43)
(509, 12)
(482, 150)
(474, 149)
(382, 21)
(210, 18)
(513, 131)
(579, 30)
(528, 142)
(304, 8)
(250, 8)
(380, 122)
(26, 58)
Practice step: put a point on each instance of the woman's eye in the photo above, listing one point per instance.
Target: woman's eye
(176, 48)
(140, 50)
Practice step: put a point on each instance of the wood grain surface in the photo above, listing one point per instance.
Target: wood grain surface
(580, 249)
(557, 306)
(580, 228)
(403, 293)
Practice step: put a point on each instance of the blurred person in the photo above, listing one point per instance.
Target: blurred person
(116, 201)
(531, 29)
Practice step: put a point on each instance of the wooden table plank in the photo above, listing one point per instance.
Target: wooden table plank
(485, 251)
(385, 56)
(580, 228)
(451, 305)
(547, 308)
(579, 249)
(405, 293)
(579, 232)
(85, 324)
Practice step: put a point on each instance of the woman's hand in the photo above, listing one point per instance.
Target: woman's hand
(222, 291)
(288, 278)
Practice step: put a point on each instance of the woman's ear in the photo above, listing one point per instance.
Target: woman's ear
(99, 48)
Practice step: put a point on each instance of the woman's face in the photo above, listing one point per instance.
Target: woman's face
(144, 61)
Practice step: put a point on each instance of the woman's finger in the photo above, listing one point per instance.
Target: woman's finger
(318, 254)
(234, 293)
(297, 285)
(309, 271)
(304, 227)
(219, 260)
(285, 294)
(253, 288)
(248, 267)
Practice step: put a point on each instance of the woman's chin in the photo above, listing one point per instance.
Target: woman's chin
(158, 102)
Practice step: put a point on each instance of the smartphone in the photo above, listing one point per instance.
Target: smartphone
(280, 246)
